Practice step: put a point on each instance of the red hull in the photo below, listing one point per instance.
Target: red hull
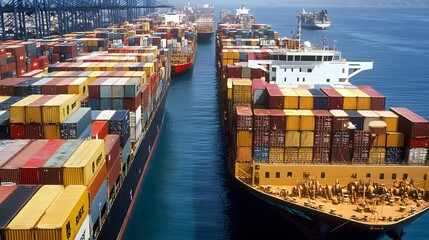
(179, 69)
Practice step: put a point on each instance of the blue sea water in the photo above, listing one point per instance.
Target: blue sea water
(187, 193)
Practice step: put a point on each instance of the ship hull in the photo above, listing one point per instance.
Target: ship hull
(204, 36)
(316, 224)
(316, 26)
(180, 69)
(121, 208)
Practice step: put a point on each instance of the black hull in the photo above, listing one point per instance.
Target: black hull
(120, 210)
(205, 37)
(320, 225)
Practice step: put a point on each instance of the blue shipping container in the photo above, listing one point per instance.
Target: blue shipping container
(76, 124)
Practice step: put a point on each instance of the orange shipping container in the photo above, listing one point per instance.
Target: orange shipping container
(244, 154)
(306, 122)
(291, 99)
(394, 139)
(97, 181)
(291, 155)
(390, 118)
(242, 90)
(349, 99)
(292, 120)
(17, 110)
(377, 155)
(363, 99)
(305, 155)
(305, 98)
(244, 138)
(51, 131)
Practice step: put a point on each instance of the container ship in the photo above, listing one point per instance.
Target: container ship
(204, 21)
(80, 117)
(178, 32)
(323, 152)
(315, 20)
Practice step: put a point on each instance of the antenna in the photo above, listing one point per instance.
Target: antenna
(299, 31)
(324, 42)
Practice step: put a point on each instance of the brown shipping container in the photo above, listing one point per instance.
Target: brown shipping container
(341, 139)
(277, 119)
(112, 149)
(321, 154)
(377, 127)
(340, 155)
(275, 97)
(378, 101)
(322, 139)
(335, 100)
(411, 124)
(261, 119)
(322, 120)
(97, 181)
(276, 155)
(244, 118)
(114, 172)
(360, 155)
(361, 138)
(261, 138)
(340, 120)
(277, 138)
(291, 155)
(34, 131)
(9, 172)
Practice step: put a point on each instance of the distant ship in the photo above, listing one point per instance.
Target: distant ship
(314, 20)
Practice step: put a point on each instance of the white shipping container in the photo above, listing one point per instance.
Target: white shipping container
(105, 115)
(416, 155)
(118, 88)
(84, 232)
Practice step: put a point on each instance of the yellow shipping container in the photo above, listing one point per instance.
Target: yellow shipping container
(235, 54)
(292, 139)
(242, 90)
(363, 99)
(369, 116)
(149, 69)
(244, 154)
(276, 155)
(291, 99)
(58, 109)
(305, 155)
(394, 139)
(3, 98)
(33, 111)
(350, 100)
(22, 225)
(306, 122)
(390, 118)
(141, 75)
(17, 110)
(62, 220)
(379, 140)
(305, 98)
(51, 131)
(291, 154)
(78, 86)
(292, 120)
(377, 155)
(244, 138)
(229, 86)
(80, 168)
(307, 139)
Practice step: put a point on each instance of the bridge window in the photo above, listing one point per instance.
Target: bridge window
(297, 79)
(303, 79)
(285, 79)
(291, 69)
(393, 176)
(319, 58)
(300, 69)
(328, 80)
(274, 69)
(282, 57)
(289, 174)
(273, 79)
(405, 175)
(277, 174)
(308, 58)
(322, 175)
(290, 58)
(344, 70)
(297, 58)
(267, 174)
(381, 175)
(309, 70)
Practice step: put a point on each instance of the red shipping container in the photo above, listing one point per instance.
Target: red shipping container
(335, 99)
(361, 138)
(232, 71)
(322, 120)
(261, 138)
(145, 95)
(378, 101)
(275, 97)
(49, 88)
(277, 120)
(9, 172)
(28, 173)
(341, 139)
(322, 139)
(360, 155)
(244, 118)
(132, 103)
(340, 120)
(411, 124)
(34, 131)
(10, 151)
(114, 173)
(417, 143)
(94, 87)
(96, 182)
(277, 138)
(261, 119)
(7, 85)
(321, 154)
(100, 129)
(113, 149)
(17, 131)
(5, 191)
(258, 84)
(256, 73)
